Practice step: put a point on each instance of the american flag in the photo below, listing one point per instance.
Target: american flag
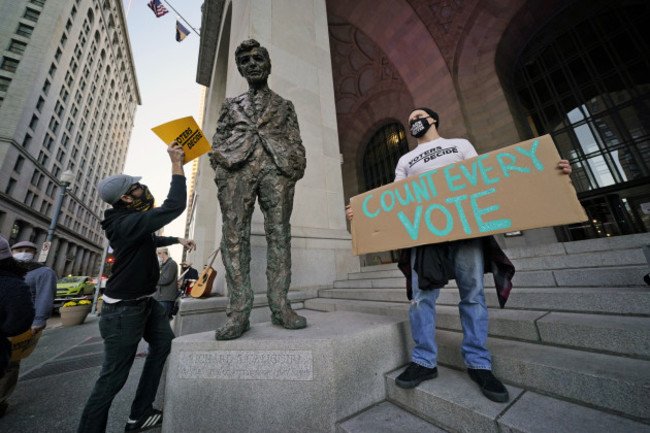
(157, 8)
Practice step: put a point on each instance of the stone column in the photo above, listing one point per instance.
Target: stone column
(298, 43)
(56, 258)
(78, 265)
(71, 252)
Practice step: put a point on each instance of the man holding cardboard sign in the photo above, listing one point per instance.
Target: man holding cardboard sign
(463, 259)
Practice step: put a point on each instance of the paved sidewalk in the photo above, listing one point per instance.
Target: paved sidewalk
(57, 378)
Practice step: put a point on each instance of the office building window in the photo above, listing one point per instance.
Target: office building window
(19, 164)
(31, 14)
(29, 198)
(27, 141)
(24, 30)
(4, 84)
(33, 122)
(10, 186)
(42, 158)
(54, 125)
(17, 47)
(47, 141)
(8, 64)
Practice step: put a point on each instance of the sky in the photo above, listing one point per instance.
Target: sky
(166, 74)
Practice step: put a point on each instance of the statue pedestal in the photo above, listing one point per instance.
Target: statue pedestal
(276, 380)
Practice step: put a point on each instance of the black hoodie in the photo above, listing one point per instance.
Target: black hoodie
(131, 235)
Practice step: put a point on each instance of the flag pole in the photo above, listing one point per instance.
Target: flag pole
(181, 17)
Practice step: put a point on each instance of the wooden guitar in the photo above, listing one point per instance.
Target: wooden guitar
(203, 286)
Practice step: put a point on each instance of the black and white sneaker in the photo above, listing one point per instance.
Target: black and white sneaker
(154, 419)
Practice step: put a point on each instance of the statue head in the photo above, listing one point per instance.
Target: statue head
(253, 62)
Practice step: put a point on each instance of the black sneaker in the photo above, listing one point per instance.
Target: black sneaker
(414, 375)
(491, 387)
(154, 419)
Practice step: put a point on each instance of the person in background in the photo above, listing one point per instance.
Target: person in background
(167, 288)
(187, 273)
(41, 281)
(16, 316)
(129, 312)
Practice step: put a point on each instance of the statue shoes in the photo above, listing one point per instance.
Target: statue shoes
(288, 319)
(232, 329)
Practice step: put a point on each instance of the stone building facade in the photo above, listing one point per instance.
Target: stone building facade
(498, 72)
(68, 95)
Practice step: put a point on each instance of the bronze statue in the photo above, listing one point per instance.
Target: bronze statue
(257, 153)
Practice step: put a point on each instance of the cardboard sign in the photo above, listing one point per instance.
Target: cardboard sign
(515, 188)
(188, 135)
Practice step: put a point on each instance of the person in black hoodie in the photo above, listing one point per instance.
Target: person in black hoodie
(16, 313)
(129, 312)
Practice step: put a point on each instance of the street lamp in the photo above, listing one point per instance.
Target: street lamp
(66, 180)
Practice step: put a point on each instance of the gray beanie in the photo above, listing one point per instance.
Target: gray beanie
(113, 187)
(24, 244)
(5, 253)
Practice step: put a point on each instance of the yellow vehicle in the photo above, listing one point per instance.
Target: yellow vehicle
(75, 286)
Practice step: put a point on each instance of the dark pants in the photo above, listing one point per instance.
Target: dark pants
(122, 326)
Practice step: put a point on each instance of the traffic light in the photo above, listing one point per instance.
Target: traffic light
(110, 260)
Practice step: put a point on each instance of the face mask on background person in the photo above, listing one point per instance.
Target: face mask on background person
(420, 126)
(160, 260)
(24, 257)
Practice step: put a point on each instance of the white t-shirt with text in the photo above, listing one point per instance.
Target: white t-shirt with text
(433, 154)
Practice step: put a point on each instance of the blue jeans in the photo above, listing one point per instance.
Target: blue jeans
(122, 326)
(466, 257)
(167, 305)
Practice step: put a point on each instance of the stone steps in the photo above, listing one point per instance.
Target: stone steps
(615, 384)
(452, 402)
(386, 417)
(620, 335)
(622, 258)
(572, 344)
(630, 275)
(623, 301)
(613, 262)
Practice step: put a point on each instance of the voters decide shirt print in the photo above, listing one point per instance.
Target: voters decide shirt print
(433, 154)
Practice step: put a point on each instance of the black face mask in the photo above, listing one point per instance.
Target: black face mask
(419, 127)
(144, 202)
